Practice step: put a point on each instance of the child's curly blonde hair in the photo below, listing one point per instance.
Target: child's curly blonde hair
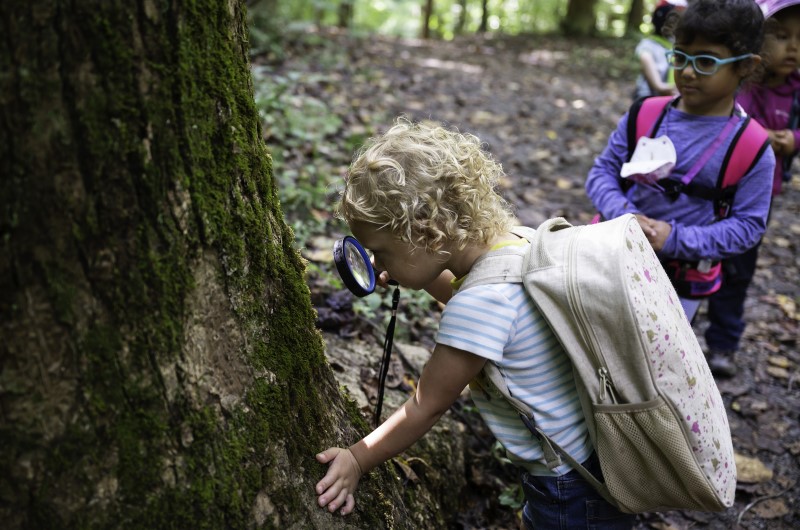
(428, 186)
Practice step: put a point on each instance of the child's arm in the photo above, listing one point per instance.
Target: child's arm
(443, 379)
(650, 73)
(738, 232)
(603, 184)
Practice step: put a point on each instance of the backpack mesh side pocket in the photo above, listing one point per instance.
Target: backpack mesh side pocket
(645, 458)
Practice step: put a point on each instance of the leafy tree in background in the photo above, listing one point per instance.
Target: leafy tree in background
(447, 18)
(462, 17)
(346, 13)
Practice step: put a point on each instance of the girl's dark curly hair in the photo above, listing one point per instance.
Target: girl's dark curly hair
(736, 24)
(660, 16)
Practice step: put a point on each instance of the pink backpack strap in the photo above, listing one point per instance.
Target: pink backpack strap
(649, 115)
(747, 146)
(644, 117)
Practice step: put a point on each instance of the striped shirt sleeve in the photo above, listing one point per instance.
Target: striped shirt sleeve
(479, 320)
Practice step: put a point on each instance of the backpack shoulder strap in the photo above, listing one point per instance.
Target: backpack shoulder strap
(500, 266)
(748, 145)
(491, 376)
(644, 117)
(746, 148)
(510, 264)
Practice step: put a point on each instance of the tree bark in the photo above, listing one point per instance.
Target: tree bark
(461, 21)
(345, 13)
(484, 25)
(635, 15)
(427, 13)
(159, 362)
(580, 19)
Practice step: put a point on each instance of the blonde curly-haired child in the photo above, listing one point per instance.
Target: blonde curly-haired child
(422, 198)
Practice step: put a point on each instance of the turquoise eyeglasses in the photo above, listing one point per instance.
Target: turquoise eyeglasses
(702, 64)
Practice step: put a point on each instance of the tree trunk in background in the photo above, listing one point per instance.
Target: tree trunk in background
(461, 21)
(580, 19)
(427, 12)
(345, 13)
(635, 16)
(484, 17)
(159, 362)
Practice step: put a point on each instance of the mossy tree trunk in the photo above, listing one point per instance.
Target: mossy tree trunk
(160, 366)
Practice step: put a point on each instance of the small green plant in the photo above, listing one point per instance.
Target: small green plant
(499, 453)
(513, 496)
(325, 275)
(298, 129)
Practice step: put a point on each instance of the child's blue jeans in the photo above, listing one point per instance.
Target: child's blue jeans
(569, 502)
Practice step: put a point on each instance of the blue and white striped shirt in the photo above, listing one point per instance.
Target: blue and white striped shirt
(500, 322)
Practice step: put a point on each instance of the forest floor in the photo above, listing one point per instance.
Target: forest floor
(545, 107)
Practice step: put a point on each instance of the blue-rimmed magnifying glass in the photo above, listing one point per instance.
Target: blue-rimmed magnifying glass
(354, 266)
(356, 270)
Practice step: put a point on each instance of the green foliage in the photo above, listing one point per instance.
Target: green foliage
(299, 123)
(499, 453)
(299, 117)
(513, 496)
(271, 24)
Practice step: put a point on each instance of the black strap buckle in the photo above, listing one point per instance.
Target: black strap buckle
(672, 188)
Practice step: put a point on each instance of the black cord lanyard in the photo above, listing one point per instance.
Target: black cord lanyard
(387, 355)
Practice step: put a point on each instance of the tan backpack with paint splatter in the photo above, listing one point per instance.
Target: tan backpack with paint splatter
(655, 415)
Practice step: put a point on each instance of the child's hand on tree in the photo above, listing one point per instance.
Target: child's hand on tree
(336, 488)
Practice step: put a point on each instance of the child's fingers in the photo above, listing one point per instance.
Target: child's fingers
(321, 486)
(335, 490)
(647, 225)
(340, 500)
(349, 504)
(326, 456)
(328, 493)
(383, 279)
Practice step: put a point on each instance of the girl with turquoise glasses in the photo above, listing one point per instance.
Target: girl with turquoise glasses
(716, 49)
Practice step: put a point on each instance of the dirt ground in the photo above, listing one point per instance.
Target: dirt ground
(545, 106)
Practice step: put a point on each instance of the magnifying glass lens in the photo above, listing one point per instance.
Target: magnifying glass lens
(358, 267)
(354, 266)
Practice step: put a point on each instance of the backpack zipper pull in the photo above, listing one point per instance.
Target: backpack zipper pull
(606, 385)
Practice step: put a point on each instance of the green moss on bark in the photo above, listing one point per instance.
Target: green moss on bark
(161, 139)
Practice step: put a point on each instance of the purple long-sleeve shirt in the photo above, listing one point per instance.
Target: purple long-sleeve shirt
(694, 235)
(770, 106)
